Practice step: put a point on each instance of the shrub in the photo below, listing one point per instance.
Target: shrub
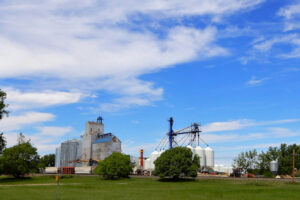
(116, 165)
(268, 174)
(19, 160)
(176, 162)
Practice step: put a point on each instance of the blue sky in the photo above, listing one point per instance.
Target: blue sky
(231, 65)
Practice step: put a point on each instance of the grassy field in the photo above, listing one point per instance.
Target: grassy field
(92, 188)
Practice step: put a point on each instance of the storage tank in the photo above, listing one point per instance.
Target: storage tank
(191, 148)
(83, 170)
(154, 155)
(201, 153)
(274, 166)
(159, 154)
(147, 164)
(210, 160)
(51, 170)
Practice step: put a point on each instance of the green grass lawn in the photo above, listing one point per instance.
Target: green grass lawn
(91, 188)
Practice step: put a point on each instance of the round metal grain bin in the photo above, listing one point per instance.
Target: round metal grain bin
(274, 166)
(201, 153)
(210, 159)
(154, 155)
(191, 148)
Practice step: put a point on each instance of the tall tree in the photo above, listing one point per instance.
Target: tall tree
(47, 161)
(22, 139)
(117, 165)
(176, 162)
(2, 143)
(3, 111)
(19, 160)
(246, 161)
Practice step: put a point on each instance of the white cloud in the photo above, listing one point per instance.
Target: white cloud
(290, 11)
(131, 148)
(255, 82)
(225, 126)
(17, 122)
(28, 100)
(45, 139)
(291, 14)
(53, 131)
(292, 40)
(77, 43)
(240, 124)
(283, 132)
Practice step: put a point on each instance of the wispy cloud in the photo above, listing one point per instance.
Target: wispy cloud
(240, 124)
(291, 13)
(92, 45)
(45, 139)
(19, 100)
(255, 82)
(29, 118)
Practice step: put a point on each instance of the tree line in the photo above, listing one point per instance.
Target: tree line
(21, 158)
(259, 163)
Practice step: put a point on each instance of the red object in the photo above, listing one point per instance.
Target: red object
(251, 175)
(142, 158)
(68, 170)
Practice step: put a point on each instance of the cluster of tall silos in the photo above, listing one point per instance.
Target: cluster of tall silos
(206, 156)
(149, 162)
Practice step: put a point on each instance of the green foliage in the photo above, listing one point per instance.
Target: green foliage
(176, 162)
(19, 160)
(262, 164)
(2, 104)
(268, 174)
(2, 143)
(246, 161)
(116, 165)
(47, 161)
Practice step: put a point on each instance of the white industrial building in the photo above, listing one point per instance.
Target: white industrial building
(207, 160)
(95, 145)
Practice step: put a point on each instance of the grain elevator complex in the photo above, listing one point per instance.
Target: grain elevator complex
(80, 156)
(93, 146)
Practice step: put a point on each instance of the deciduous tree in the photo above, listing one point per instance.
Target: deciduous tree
(19, 160)
(116, 165)
(176, 162)
(3, 111)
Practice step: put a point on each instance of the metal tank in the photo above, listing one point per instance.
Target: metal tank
(154, 155)
(274, 166)
(159, 153)
(57, 157)
(191, 148)
(210, 159)
(147, 164)
(201, 153)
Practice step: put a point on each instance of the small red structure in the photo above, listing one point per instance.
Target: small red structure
(68, 170)
(142, 158)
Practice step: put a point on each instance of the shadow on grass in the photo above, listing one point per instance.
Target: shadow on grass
(176, 180)
(12, 179)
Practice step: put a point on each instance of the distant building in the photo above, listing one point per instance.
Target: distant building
(95, 145)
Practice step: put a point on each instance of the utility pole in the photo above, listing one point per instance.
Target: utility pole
(293, 166)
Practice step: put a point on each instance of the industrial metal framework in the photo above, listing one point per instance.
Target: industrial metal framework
(190, 135)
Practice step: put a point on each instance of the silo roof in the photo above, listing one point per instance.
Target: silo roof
(102, 140)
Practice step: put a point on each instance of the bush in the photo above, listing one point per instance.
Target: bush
(176, 162)
(116, 165)
(268, 174)
(19, 160)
